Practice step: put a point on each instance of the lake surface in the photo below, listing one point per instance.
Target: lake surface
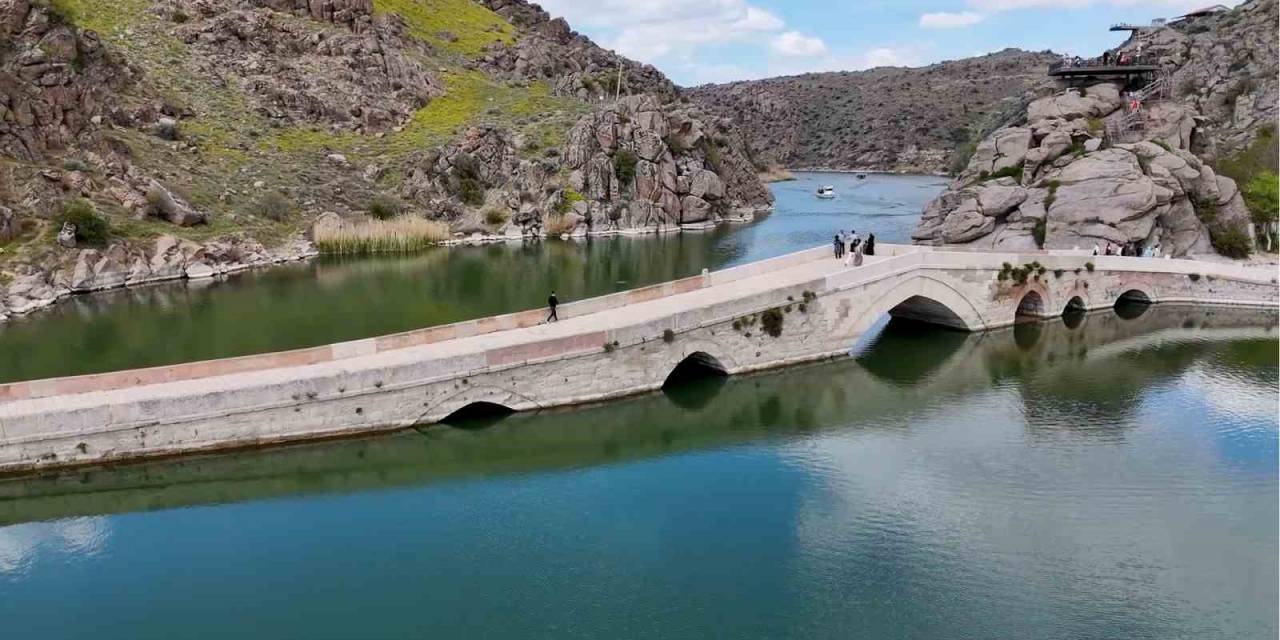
(1109, 477)
(332, 300)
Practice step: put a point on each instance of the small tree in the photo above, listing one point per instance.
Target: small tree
(1262, 196)
(90, 227)
(624, 166)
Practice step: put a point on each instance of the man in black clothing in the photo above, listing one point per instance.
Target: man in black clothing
(552, 301)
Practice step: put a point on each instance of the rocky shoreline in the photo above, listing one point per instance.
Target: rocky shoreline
(172, 259)
(117, 266)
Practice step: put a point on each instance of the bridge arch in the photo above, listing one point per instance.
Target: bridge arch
(478, 412)
(695, 365)
(479, 401)
(925, 299)
(1031, 306)
(1134, 296)
(1075, 305)
(1132, 304)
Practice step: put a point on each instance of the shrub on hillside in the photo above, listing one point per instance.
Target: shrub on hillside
(272, 205)
(495, 216)
(90, 227)
(384, 208)
(1232, 242)
(466, 182)
(624, 166)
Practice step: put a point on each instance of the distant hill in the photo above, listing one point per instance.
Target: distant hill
(889, 118)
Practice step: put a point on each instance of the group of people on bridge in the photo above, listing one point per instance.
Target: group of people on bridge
(1131, 249)
(849, 247)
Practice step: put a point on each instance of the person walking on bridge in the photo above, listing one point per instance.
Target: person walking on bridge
(838, 245)
(870, 245)
(552, 303)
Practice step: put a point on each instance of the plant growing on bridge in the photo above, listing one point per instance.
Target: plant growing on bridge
(771, 320)
(1089, 266)
(1194, 277)
(668, 336)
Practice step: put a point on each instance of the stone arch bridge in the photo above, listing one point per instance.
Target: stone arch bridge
(797, 308)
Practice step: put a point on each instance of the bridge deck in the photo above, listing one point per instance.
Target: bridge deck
(40, 396)
(516, 361)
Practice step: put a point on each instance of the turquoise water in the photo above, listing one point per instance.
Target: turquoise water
(332, 300)
(1117, 479)
(1111, 476)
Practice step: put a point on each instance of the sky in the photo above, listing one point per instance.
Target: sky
(700, 41)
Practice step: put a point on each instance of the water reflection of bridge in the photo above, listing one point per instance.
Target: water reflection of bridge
(1098, 364)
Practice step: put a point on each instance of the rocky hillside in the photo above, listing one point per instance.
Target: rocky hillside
(188, 137)
(889, 118)
(1081, 169)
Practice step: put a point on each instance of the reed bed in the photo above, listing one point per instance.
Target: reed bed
(558, 225)
(398, 235)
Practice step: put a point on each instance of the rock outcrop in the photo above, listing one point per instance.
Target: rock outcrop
(888, 118)
(637, 165)
(1224, 66)
(287, 66)
(1073, 174)
(259, 115)
(54, 79)
(35, 286)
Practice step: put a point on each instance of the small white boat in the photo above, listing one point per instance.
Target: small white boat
(827, 193)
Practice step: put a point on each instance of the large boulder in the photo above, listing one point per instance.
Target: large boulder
(1105, 188)
(1096, 102)
(966, 225)
(1005, 148)
(694, 209)
(998, 197)
(167, 206)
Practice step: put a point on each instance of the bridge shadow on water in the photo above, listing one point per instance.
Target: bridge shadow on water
(1074, 376)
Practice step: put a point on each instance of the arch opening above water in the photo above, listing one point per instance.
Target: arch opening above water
(1031, 307)
(1073, 314)
(1132, 304)
(1134, 296)
(695, 381)
(921, 309)
(698, 365)
(477, 415)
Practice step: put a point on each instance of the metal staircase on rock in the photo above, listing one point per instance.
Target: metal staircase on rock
(1131, 126)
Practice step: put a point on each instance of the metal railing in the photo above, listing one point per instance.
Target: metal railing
(1097, 63)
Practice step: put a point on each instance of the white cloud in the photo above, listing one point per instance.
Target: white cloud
(946, 20)
(656, 29)
(795, 44)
